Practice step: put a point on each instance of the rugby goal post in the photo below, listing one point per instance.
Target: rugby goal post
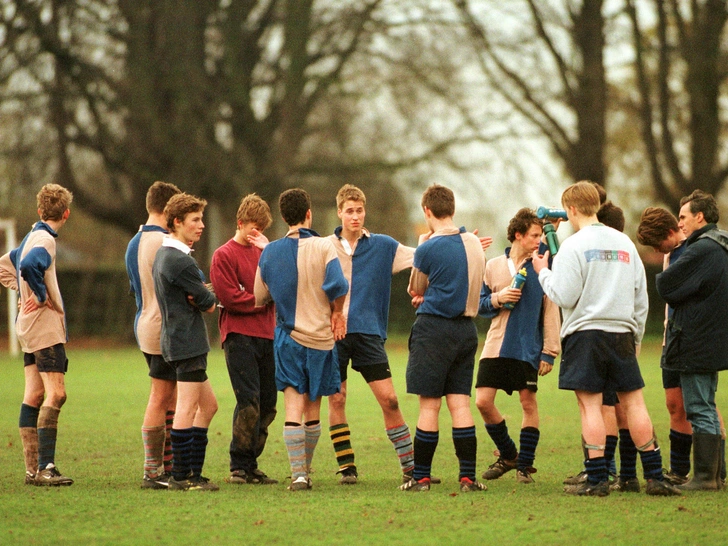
(8, 226)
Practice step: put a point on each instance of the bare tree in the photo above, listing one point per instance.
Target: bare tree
(681, 66)
(546, 59)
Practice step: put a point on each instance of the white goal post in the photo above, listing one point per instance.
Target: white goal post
(8, 226)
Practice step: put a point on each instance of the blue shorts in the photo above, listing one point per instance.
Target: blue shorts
(507, 374)
(367, 355)
(160, 368)
(670, 378)
(309, 371)
(441, 356)
(50, 359)
(594, 360)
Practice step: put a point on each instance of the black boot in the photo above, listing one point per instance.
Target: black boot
(706, 463)
(721, 465)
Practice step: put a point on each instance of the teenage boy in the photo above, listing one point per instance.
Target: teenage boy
(520, 346)
(303, 276)
(599, 282)
(159, 415)
(183, 296)
(368, 261)
(445, 284)
(696, 341)
(41, 328)
(246, 333)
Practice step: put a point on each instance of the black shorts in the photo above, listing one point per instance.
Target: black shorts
(671, 379)
(507, 374)
(367, 355)
(441, 356)
(609, 397)
(50, 359)
(594, 360)
(160, 368)
(191, 370)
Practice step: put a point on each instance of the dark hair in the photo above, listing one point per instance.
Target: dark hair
(294, 205)
(701, 201)
(655, 226)
(611, 215)
(601, 191)
(158, 194)
(522, 222)
(440, 200)
(179, 206)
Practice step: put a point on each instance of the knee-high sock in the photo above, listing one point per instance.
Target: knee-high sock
(294, 437)
(312, 429)
(167, 457)
(341, 438)
(28, 426)
(181, 447)
(652, 464)
(402, 441)
(499, 434)
(609, 448)
(198, 450)
(527, 447)
(47, 435)
(596, 470)
(627, 455)
(680, 446)
(425, 446)
(153, 440)
(466, 450)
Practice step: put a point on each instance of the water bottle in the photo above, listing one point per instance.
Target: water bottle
(552, 240)
(518, 281)
(548, 212)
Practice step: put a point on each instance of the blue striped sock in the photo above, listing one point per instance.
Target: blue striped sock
(501, 439)
(198, 449)
(466, 450)
(596, 470)
(652, 464)
(680, 446)
(609, 450)
(528, 443)
(181, 445)
(425, 446)
(627, 455)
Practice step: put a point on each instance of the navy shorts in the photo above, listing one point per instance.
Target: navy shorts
(310, 371)
(367, 355)
(670, 378)
(191, 370)
(160, 368)
(594, 360)
(609, 397)
(50, 359)
(441, 356)
(507, 374)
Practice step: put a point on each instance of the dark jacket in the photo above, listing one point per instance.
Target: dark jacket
(696, 286)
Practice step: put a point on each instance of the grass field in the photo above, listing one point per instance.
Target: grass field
(100, 447)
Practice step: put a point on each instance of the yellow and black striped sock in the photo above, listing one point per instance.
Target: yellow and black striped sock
(341, 438)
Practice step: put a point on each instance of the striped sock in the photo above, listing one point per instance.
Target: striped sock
(528, 443)
(28, 427)
(198, 450)
(181, 446)
(596, 470)
(47, 435)
(153, 440)
(402, 441)
(341, 438)
(609, 450)
(680, 446)
(466, 450)
(294, 437)
(499, 434)
(652, 464)
(627, 455)
(167, 456)
(312, 429)
(425, 445)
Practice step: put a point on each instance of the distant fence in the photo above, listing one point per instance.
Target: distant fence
(98, 304)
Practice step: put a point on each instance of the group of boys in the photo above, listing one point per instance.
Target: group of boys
(295, 312)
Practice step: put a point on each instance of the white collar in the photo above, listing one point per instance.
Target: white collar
(176, 243)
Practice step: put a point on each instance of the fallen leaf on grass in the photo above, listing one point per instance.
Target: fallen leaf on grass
(259, 522)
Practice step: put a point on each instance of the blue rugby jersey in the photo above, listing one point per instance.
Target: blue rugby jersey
(369, 269)
(302, 275)
(448, 270)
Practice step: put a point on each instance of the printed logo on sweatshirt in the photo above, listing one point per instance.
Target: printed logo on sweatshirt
(606, 256)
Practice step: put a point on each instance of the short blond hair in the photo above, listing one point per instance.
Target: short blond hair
(53, 201)
(349, 192)
(179, 206)
(583, 196)
(253, 209)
